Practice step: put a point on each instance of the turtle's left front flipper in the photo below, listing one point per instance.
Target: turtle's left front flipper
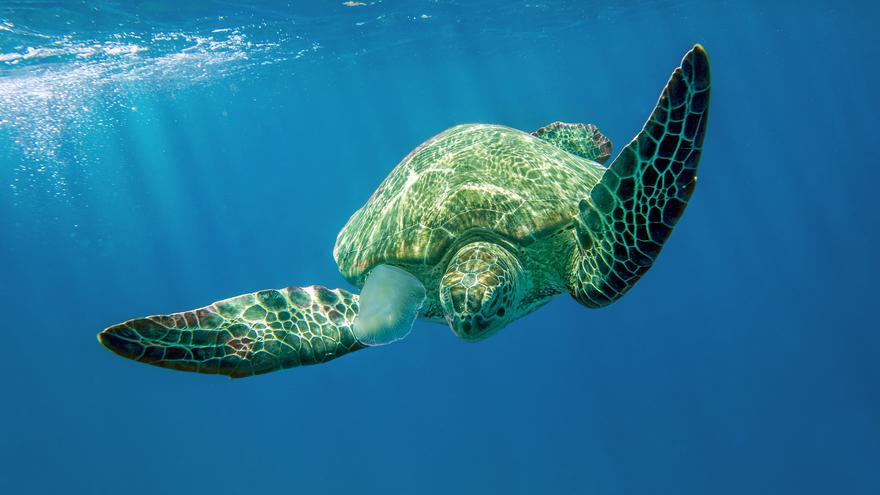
(631, 212)
(245, 335)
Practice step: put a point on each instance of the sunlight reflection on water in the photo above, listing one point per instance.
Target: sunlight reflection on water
(55, 90)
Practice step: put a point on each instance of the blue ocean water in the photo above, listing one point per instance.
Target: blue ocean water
(156, 156)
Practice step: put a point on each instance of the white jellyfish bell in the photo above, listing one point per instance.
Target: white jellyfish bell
(389, 303)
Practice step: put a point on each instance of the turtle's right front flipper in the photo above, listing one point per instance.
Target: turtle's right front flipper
(245, 335)
(274, 329)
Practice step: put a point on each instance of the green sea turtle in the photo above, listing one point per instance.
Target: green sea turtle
(478, 226)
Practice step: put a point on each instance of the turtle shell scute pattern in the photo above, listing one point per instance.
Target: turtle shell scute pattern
(468, 180)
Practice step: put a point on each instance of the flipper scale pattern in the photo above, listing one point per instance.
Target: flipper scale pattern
(245, 335)
(632, 210)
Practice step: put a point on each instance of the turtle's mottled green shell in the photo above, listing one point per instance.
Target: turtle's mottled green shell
(468, 182)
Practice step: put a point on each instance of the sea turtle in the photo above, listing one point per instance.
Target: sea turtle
(478, 226)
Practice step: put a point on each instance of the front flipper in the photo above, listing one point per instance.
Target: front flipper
(245, 335)
(631, 212)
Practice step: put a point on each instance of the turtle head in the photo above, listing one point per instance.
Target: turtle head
(479, 290)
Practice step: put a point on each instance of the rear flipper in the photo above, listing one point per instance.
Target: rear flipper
(631, 212)
(245, 335)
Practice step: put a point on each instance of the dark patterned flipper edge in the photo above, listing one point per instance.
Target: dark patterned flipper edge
(245, 335)
(631, 212)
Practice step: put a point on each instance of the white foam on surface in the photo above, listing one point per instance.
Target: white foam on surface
(56, 91)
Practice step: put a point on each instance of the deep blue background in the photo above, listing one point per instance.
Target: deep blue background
(746, 361)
